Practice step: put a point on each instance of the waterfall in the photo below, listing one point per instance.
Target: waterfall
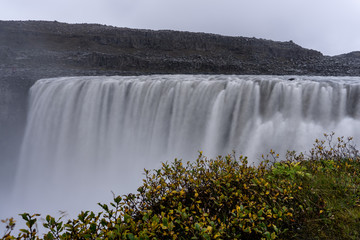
(88, 136)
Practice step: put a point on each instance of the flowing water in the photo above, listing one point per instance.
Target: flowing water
(88, 136)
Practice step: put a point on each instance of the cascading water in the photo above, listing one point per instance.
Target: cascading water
(88, 136)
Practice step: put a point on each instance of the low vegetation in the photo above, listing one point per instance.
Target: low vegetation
(305, 196)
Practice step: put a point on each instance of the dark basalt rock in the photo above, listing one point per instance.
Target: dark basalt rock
(57, 48)
(53, 48)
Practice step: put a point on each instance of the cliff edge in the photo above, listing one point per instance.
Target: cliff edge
(94, 49)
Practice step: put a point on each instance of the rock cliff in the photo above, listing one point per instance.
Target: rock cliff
(94, 49)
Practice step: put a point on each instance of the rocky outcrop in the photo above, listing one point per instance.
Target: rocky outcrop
(99, 49)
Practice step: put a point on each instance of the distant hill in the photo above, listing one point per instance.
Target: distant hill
(350, 55)
(59, 48)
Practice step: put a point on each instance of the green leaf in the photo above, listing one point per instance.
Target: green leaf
(130, 236)
(49, 236)
(165, 222)
(206, 236)
(197, 227)
(25, 216)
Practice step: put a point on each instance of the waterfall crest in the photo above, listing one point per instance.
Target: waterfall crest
(87, 136)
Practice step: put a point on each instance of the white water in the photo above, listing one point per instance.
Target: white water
(88, 136)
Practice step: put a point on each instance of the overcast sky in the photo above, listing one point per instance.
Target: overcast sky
(329, 26)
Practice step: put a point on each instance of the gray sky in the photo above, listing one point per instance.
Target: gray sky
(329, 26)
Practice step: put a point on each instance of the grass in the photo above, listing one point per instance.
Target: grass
(338, 184)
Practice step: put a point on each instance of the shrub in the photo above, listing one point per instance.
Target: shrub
(226, 198)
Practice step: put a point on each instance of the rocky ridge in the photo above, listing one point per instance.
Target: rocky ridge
(59, 48)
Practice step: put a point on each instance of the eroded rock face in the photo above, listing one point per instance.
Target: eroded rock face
(89, 47)
(97, 47)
